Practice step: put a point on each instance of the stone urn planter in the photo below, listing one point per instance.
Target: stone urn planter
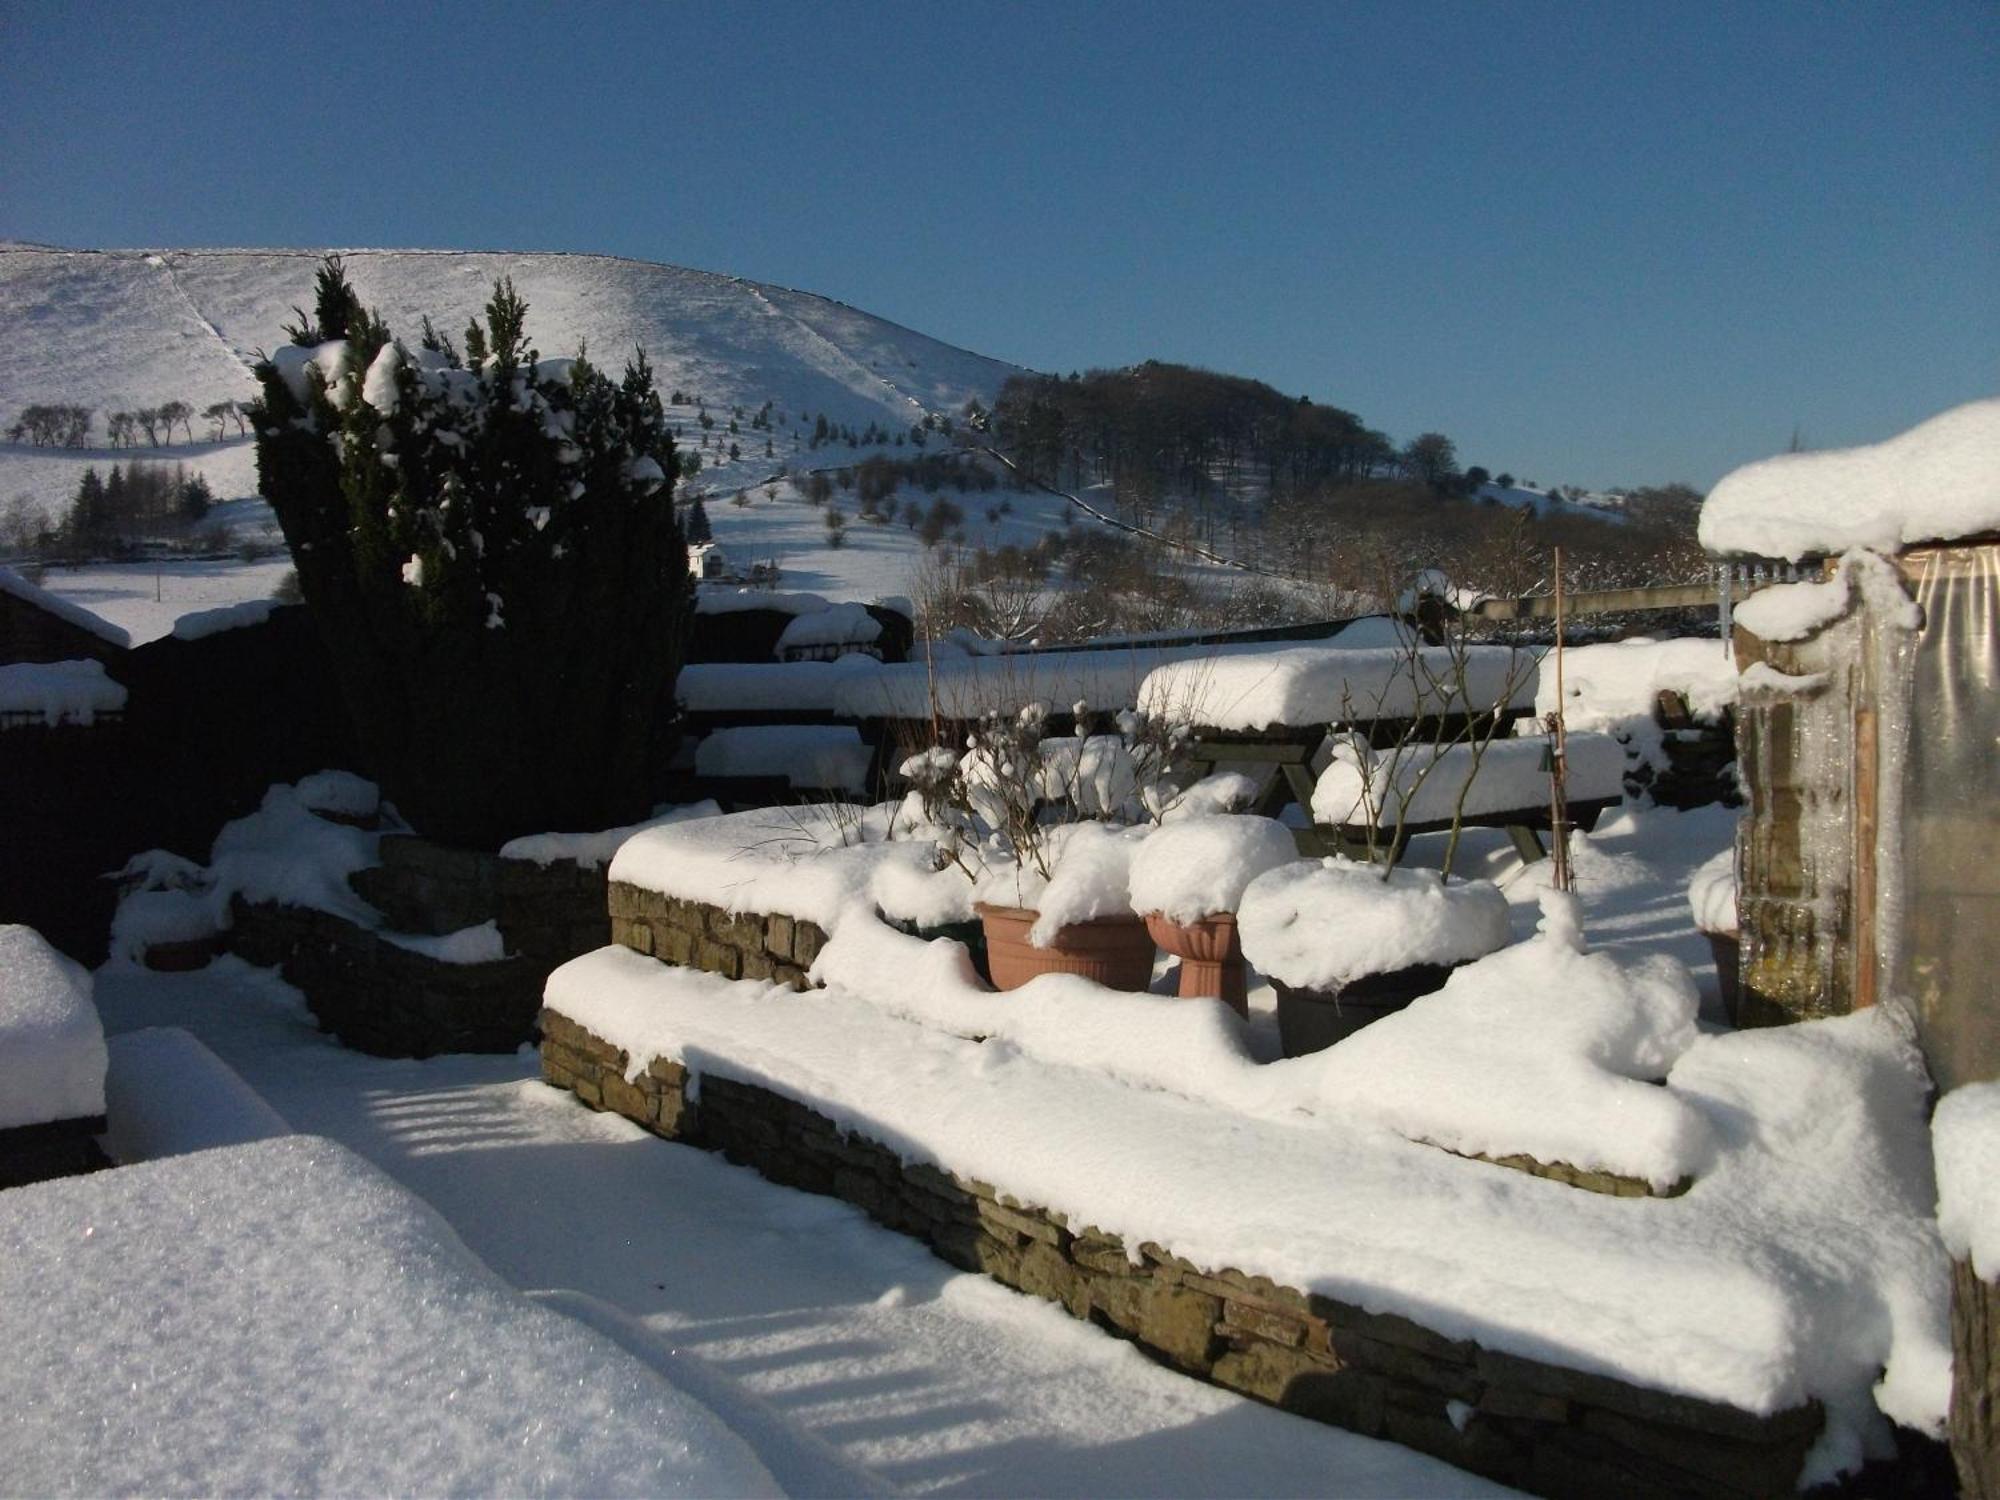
(1115, 951)
(1188, 877)
(1211, 957)
(1345, 943)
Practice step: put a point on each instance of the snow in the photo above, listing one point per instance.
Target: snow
(1317, 924)
(117, 330)
(851, 1359)
(1199, 865)
(1539, 1048)
(808, 862)
(124, 594)
(1614, 687)
(1783, 1273)
(284, 852)
(341, 793)
(1762, 680)
(817, 757)
(481, 944)
(378, 387)
(1937, 481)
(168, 1095)
(836, 625)
(1793, 611)
(1089, 877)
(51, 1044)
(13, 583)
(1965, 1133)
(1308, 685)
(1712, 894)
(594, 850)
(711, 599)
(961, 687)
(304, 1325)
(206, 622)
(1423, 783)
(60, 692)
(716, 687)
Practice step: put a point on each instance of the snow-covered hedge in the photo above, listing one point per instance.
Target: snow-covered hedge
(487, 539)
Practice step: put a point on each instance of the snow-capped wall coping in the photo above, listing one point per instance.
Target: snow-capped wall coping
(207, 622)
(52, 1056)
(964, 687)
(592, 851)
(1798, 1265)
(1965, 1134)
(226, 1276)
(836, 625)
(1935, 482)
(790, 686)
(13, 583)
(60, 692)
(712, 599)
(1316, 924)
(1302, 686)
(1423, 784)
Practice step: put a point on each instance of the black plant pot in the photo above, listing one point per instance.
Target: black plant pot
(1313, 1020)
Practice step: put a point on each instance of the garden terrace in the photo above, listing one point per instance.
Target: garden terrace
(1319, 1250)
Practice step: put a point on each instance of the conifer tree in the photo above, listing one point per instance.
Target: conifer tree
(489, 550)
(698, 529)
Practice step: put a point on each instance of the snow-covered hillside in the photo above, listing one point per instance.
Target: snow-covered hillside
(1522, 496)
(120, 329)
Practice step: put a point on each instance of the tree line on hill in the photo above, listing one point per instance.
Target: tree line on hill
(1158, 428)
(64, 424)
(111, 514)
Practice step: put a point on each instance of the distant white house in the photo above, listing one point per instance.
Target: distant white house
(707, 563)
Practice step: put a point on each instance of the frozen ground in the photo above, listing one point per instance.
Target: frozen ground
(848, 1356)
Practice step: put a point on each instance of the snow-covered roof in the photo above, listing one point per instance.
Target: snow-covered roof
(51, 1044)
(13, 583)
(1938, 481)
(281, 1318)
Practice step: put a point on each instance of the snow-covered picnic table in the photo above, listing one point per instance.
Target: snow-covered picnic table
(1281, 709)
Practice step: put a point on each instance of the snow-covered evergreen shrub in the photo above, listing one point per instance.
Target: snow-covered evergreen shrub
(489, 548)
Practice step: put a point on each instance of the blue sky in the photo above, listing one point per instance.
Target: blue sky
(1594, 244)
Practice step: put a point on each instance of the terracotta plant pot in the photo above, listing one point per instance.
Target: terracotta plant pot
(1114, 951)
(1211, 957)
(1313, 1020)
(1727, 948)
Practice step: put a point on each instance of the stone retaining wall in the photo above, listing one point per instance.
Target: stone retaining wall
(380, 997)
(1555, 1431)
(1975, 1383)
(384, 999)
(694, 935)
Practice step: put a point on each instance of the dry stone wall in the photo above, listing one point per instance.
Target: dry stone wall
(380, 997)
(695, 935)
(1555, 1431)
